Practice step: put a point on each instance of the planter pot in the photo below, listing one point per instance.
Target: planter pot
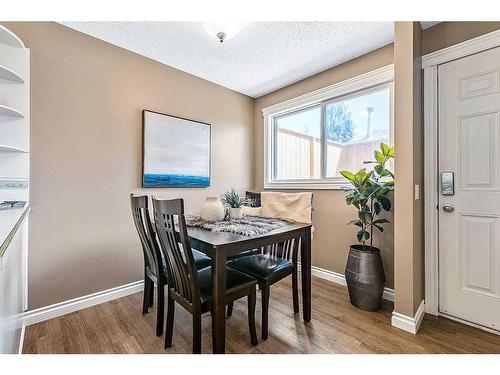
(365, 277)
(235, 212)
(212, 210)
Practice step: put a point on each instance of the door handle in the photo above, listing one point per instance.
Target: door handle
(448, 208)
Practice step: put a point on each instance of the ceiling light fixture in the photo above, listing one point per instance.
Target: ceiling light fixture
(223, 31)
(221, 35)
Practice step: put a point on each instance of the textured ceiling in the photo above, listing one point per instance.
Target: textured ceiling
(260, 58)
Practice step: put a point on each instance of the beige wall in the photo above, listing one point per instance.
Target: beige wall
(408, 218)
(418, 168)
(332, 236)
(410, 43)
(445, 34)
(86, 102)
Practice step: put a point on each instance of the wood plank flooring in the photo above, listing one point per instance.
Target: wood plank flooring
(336, 327)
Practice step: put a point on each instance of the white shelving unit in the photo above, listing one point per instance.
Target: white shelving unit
(14, 116)
(12, 149)
(7, 111)
(14, 185)
(9, 38)
(9, 75)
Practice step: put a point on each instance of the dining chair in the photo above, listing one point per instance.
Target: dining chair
(192, 288)
(273, 264)
(253, 198)
(269, 266)
(155, 272)
(266, 270)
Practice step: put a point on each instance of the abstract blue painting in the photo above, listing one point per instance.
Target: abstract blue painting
(176, 151)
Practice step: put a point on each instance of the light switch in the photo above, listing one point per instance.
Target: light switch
(417, 192)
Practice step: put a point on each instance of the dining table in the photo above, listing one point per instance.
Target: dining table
(219, 246)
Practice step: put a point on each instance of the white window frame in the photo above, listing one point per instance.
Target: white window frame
(378, 77)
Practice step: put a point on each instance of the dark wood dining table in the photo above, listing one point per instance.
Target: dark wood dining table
(221, 245)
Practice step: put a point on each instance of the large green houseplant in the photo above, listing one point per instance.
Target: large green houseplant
(368, 194)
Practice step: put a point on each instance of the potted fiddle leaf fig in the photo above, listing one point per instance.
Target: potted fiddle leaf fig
(364, 271)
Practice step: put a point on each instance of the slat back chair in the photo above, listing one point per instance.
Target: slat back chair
(153, 262)
(254, 198)
(189, 287)
(271, 264)
(287, 250)
(182, 273)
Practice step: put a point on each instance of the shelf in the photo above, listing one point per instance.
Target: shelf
(11, 149)
(7, 111)
(9, 38)
(9, 75)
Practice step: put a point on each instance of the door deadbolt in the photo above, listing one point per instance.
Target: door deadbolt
(447, 183)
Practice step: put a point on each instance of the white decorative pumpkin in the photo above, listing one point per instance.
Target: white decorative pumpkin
(212, 210)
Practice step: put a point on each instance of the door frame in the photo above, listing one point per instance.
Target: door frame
(430, 63)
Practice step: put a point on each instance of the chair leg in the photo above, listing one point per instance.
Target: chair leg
(295, 291)
(251, 317)
(151, 292)
(146, 294)
(230, 309)
(196, 333)
(170, 321)
(265, 310)
(160, 308)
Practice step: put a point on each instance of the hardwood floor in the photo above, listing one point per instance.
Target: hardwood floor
(336, 327)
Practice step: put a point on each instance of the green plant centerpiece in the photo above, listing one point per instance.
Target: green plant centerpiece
(234, 202)
(368, 194)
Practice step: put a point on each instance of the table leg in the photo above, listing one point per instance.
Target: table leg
(218, 301)
(305, 265)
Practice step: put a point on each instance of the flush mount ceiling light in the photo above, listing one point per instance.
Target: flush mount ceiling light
(223, 31)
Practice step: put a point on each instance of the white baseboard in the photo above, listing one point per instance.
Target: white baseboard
(49, 312)
(21, 340)
(66, 307)
(408, 323)
(338, 278)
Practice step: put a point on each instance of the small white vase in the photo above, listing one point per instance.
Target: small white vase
(235, 213)
(212, 210)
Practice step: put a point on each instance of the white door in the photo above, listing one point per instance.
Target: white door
(469, 146)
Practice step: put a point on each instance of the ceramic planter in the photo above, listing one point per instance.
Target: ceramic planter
(235, 212)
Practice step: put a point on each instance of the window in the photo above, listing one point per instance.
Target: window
(298, 145)
(310, 139)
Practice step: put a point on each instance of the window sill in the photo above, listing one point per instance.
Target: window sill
(306, 185)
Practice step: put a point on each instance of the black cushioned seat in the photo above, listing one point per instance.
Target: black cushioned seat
(234, 280)
(268, 267)
(201, 259)
(262, 266)
(243, 254)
